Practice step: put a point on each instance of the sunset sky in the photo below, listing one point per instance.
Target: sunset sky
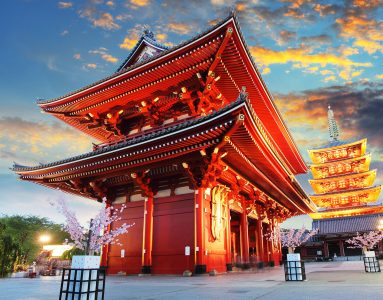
(311, 54)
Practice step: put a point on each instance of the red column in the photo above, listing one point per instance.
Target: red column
(325, 249)
(341, 247)
(229, 265)
(200, 266)
(245, 240)
(105, 248)
(259, 241)
(147, 244)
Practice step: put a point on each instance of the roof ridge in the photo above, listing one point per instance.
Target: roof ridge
(134, 66)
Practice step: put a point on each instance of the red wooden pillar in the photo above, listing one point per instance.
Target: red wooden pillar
(105, 248)
(259, 241)
(325, 249)
(200, 266)
(245, 240)
(229, 263)
(147, 241)
(266, 244)
(341, 248)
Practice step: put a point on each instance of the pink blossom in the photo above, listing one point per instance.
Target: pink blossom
(366, 240)
(100, 235)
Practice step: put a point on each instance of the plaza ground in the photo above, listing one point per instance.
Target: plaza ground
(328, 280)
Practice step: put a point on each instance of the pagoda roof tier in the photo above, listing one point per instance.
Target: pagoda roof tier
(339, 149)
(353, 224)
(341, 167)
(347, 212)
(110, 109)
(347, 198)
(233, 129)
(344, 182)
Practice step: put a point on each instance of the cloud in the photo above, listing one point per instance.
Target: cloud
(140, 3)
(64, 5)
(379, 76)
(105, 21)
(180, 28)
(110, 3)
(357, 108)
(303, 56)
(77, 56)
(100, 19)
(367, 4)
(286, 36)
(365, 31)
(326, 9)
(65, 32)
(316, 39)
(91, 66)
(33, 142)
(102, 52)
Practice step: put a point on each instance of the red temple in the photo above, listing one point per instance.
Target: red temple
(199, 160)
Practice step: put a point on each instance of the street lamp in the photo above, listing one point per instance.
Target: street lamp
(44, 238)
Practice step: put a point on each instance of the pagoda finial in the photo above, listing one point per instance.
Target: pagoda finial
(332, 126)
(148, 33)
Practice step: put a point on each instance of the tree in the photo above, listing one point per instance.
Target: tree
(365, 241)
(98, 234)
(19, 243)
(291, 238)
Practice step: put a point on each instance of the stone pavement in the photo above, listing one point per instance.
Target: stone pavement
(329, 280)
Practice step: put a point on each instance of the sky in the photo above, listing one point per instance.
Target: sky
(310, 53)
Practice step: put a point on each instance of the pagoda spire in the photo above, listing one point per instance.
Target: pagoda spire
(332, 126)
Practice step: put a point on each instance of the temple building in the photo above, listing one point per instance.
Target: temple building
(344, 192)
(192, 142)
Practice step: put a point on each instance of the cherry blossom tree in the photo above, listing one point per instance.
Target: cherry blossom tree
(291, 238)
(99, 235)
(365, 241)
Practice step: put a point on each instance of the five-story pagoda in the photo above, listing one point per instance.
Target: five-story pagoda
(344, 191)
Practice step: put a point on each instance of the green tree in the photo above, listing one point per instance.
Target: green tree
(19, 239)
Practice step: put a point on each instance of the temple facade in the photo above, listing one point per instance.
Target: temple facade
(193, 144)
(344, 192)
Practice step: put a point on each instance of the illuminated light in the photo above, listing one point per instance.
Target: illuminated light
(121, 112)
(143, 103)
(216, 149)
(87, 118)
(109, 115)
(223, 155)
(91, 115)
(219, 96)
(203, 152)
(238, 177)
(44, 238)
(183, 89)
(217, 78)
(133, 175)
(185, 165)
(225, 168)
(175, 93)
(156, 99)
(247, 183)
(147, 171)
(199, 76)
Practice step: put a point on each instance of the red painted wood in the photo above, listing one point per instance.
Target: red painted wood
(245, 238)
(148, 232)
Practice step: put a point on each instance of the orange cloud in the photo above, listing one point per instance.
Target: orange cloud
(128, 43)
(77, 56)
(301, 56)
(104, 55)
(367, 3)
(106, 21)
(91, 66)
(365, 31)
(379, 76)
(65, 4)
(140, 2)
(180, 28)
